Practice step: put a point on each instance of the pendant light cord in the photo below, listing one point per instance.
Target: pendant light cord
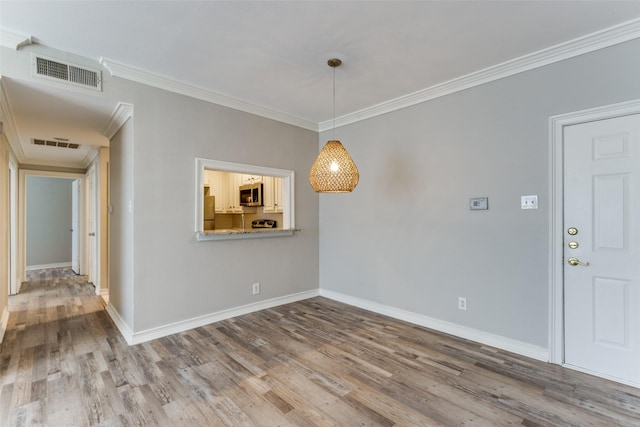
(333, 136)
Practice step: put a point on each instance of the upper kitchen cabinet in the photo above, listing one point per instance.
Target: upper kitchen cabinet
(208, 177)
(272, 194)
(234, 181)
(218, 188)
(251, 179)
(224, 186)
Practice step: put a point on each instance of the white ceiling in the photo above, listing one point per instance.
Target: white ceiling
(273, 54)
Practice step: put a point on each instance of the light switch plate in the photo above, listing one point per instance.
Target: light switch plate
(529, 202)
(479, 203)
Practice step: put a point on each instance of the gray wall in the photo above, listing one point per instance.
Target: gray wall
(48, 220)
(405, 237)
(121, 248)
(159, 274)
(175, 277)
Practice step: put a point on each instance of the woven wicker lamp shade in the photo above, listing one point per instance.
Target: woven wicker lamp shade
(334, 171)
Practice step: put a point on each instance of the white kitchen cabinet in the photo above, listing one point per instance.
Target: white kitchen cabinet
(234, 181)
(251, 179)
(272, 195)
(207, 178)
(225, 186)
(277, 196)
(217, 188)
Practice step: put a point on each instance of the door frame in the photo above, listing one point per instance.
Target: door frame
(22, 216)
(77, 230)
(556, 212)
(92, 221)
(13, 227)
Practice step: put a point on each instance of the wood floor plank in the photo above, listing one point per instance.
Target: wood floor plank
(311, 363)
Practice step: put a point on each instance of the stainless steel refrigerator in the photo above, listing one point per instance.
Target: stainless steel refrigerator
(209, 212)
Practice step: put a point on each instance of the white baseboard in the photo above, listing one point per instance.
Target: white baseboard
(508, 344)
(4, 320)
(45, 266)
(122, 326)
(195, 322)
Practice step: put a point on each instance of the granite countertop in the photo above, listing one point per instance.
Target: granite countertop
(231, 233)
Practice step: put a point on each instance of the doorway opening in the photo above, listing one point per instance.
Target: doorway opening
(39, 223)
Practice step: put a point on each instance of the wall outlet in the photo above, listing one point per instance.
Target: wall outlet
(529, 202)
(256, 288)
(462, 303)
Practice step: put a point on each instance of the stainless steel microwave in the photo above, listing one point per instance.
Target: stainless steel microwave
(251, 195)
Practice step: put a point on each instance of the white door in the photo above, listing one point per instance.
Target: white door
(602, 247)
(75, 226)
(93, 247)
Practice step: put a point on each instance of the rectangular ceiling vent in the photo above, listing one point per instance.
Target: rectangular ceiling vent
(55, 70)
(51, 143)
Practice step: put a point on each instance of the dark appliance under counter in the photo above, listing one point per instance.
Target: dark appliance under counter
(263, 223)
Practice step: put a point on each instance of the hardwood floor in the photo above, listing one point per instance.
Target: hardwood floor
(311, 363)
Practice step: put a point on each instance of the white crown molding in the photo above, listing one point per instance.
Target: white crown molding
(119, 117)
(118, 69)
(601, 39)
(508, 344)
(9, 125)
(589, 43)
(92, 153)
(14, 40)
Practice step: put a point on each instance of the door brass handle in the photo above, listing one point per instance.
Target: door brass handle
(576, 261)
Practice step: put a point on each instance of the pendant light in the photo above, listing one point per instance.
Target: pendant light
(334, 171)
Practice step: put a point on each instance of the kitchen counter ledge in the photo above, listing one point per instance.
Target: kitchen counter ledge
(238, 233)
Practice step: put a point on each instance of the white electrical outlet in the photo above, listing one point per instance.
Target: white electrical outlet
(256, 288)
(529, 202)
(462, 303)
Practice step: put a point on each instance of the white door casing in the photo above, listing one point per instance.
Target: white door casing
(13, 228)
(601, 286)
(92, 222)
(75, 226)
(22, 217)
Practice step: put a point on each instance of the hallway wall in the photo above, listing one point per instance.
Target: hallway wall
(4, 234)
(48, 221)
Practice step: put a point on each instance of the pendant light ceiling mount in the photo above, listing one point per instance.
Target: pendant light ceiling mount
(334, 171)
(334, 62)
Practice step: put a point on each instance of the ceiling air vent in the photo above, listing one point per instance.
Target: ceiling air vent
(53, 143)
(56, 70)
